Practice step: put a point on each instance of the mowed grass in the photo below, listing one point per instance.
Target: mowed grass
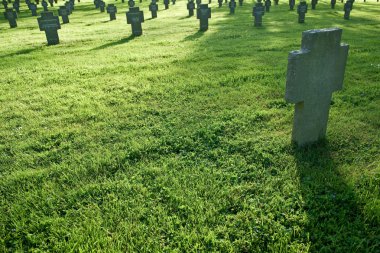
(179, 141)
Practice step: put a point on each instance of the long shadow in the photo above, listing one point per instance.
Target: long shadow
(335, 220)
(186, 17)
(194, 36)
(23, 51)
(115, 43)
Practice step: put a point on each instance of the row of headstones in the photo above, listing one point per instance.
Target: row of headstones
(64, 11)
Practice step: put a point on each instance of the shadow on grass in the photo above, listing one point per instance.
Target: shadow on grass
(21, 52)
(115, 43)
(186, 17)
(335, 220)
(194, 36)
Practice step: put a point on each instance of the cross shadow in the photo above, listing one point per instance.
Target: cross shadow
(194, 36)
(21, 52)
(106, 21)
(115, 43)
(331, 204)
(185, 17)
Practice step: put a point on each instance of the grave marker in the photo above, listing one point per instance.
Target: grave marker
(96, 3)
(33, 9)
(112, 10)
(45, 5)
(203, 14)
(258, 12)
(51, 2)
(64, 13)
(50, 24)
(153, 8)
(102, 6)
(16, 6)
(220, 3)
(135, 17)
(11, 16)
(333, 2)
(166, 3)
(314, 73)
(191, 7)
(232, 6)
(268, 4)
(347, 9)
(302, 10)
(314, 4)
(131, 3)
(199, 2)
(291, 4)
(5, 4)
(240, 2)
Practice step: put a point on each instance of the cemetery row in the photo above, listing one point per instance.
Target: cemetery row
(50, 23)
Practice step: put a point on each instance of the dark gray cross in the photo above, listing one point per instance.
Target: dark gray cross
(191, 7)
(112, 10)
(50, 24)
(314, 73)
(153, 7)
(135, 17)
(203, 14)
(11, 16)
(64, 13)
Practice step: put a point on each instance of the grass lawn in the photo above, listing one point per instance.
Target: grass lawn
(179, 141)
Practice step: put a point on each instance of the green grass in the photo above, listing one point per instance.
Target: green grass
(179, 141)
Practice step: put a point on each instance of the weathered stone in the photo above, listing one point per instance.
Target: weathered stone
(232, 6)
(131, 3)
(112, 10)
(166, 3)
(50, 24)
(268, 4)
(302, 10)
(199, 2)
(220, 3)
(333, 2)
(347, 9)
(153, 8)
(16, 6)
(314, 73)
(135, 17)
(203, 14)
(314, 4)
(292, 3)
(11, 16)
(5, 4)
(51, 2)
(96, 3)
(191, 7)
(64, 13)
(45, 5)
(102, 6)
(33, 9)
(258, 12)
(240, 2)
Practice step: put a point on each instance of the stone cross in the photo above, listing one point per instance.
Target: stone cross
(313, 4)
(11, 16)
(96, 3)
(203, 14)
(51, 2)
(232, 5)
(50, 24)
(240, 2)
(302, 10)
(16, 6)
(199, 2)
(102, 6)
(153, 7)
(135, 17)
(347, 9)
(314, 73)
(68, 7)
(268, 4)
(45, 5)
(275, 2)
(112, 10)
(333, 2)
(173, 2)
(166, 3)
(191, 7)
(291, 4)
(5, 4)
(33, 9)
(220, 3)
(258, 12)
(64, 13)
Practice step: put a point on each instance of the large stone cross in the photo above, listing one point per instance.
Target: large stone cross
(314, 73)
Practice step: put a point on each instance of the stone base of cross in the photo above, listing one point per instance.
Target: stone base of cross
(314, 73)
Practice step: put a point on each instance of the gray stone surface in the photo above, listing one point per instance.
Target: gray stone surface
(314, 73)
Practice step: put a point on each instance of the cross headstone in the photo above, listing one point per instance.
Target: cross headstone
(347, 9)
(56, 1)
(153, 8)
(314, 73)
(268, 4)
(191, 7)
(220, 3)
(11, 16)
(68, 7)
(302, 10)
(112, 10)
(37, 2)
(50, 24)
(5, 4)
(275, 2)
(173, 2)
(232, 6)
(333, 2)
(199, 2)
(51, 2)
(33, 9)
(240, 2)
(313, 4)
(45, 5)
(203, 14)
(135, 17)
(166, 3)
(258, 12)
(292, 3)
(102, 6)
(64, 13)
(96, 3)
(16, 6)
